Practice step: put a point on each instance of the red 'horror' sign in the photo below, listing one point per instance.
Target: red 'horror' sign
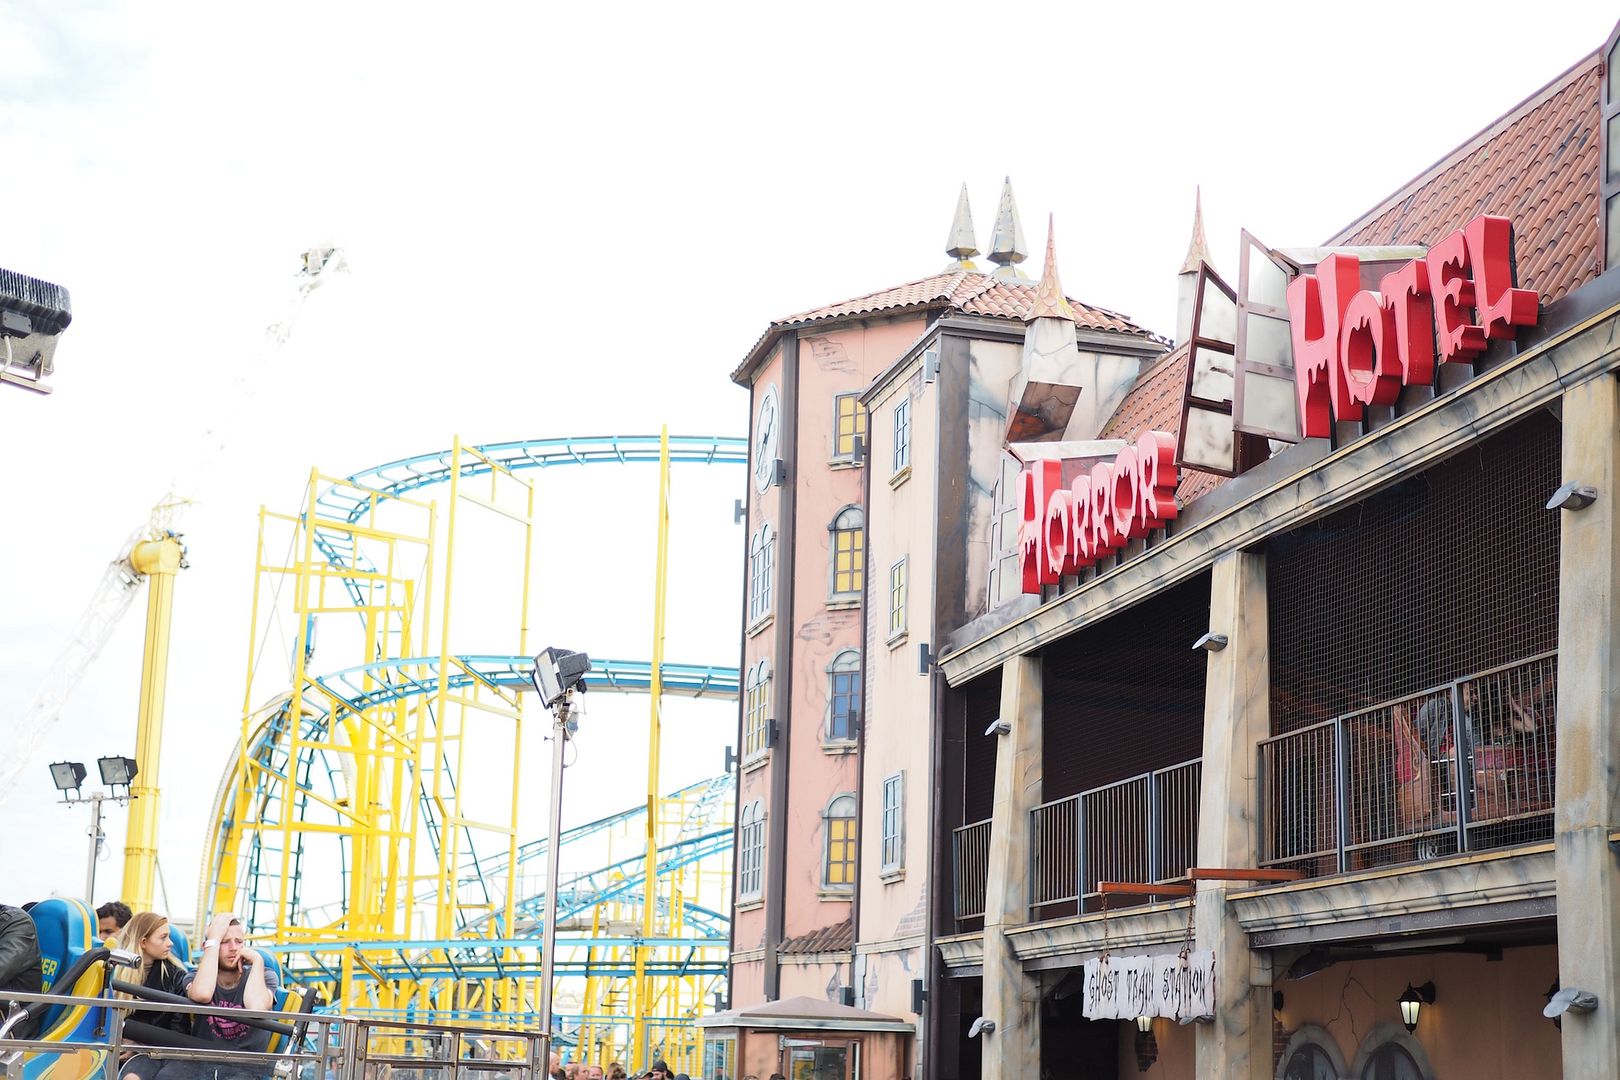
(1063, 529)
(1355, 347)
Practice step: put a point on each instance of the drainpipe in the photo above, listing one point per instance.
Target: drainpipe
(742, 708)
(860, 715)
(782, 673)
(932, 969)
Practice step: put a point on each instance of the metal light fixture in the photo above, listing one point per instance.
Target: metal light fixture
(117, 771)
(557, 671)
(1570, 999)
(998, 726)
(981, 1026)
(1412, 1002)
(67, 776)
(1211, 642)
(1573, 496)
(1144, 1023)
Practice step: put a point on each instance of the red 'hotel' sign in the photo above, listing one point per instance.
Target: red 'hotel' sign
(1353, 347)
(1357, 348)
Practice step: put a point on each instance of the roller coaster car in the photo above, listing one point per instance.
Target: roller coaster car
(73, 963)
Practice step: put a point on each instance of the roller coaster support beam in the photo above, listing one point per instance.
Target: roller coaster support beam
(160, 560)
(649, 907)
(548, 930)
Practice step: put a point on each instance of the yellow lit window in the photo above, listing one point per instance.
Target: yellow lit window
(839, 872)
(851, 425)
(848, 551)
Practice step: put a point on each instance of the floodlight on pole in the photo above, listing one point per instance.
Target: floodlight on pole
(67, 776)
(117, 771)
(558, 674)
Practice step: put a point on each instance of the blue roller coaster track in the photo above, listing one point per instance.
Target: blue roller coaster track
(367, 685)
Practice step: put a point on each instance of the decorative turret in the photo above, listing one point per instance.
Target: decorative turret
(1047, 386)
(1007, 247)
(1187, 278)
(961, 245)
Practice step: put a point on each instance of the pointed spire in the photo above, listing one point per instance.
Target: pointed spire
(1007, 248)
(961, 244)
(1197, 247)
(1049, 299)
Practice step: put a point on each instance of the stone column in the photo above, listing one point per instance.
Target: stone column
(1237, 710)
(1588, 768)
(1011, 998)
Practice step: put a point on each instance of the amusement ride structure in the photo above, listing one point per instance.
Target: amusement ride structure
(355, 827)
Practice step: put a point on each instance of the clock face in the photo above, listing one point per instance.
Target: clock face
(767, 429)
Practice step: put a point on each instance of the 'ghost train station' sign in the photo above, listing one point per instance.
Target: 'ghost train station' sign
(1173, 986)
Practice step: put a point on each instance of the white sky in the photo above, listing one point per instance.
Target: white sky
(575, 219)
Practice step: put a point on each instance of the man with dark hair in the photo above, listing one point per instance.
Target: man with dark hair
(230, 975)
(112, 917)
(660, 1070)
(20, 968)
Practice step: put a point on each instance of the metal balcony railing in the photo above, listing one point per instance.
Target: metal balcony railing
(971, 868)
(1462, 767)
(1142, 829)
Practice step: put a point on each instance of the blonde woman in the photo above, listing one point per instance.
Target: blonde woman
(147, 935)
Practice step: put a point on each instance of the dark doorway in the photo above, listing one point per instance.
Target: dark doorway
(1072, 1047)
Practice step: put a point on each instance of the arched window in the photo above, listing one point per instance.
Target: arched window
(838, 866)
(1389, 1052)
(756, 710)
(1311, 1054)
(761, 565)
(750, 850)
(843, 695)
(848, 552)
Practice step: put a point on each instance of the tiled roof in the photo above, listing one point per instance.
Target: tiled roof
(1538, 165)
(1154, 404)
(966, 291)
(839, 938)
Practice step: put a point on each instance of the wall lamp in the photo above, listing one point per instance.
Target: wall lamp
(1144, 1023)
(1412, 1002)
(1211, 642)
(1571, 999)
(998, 726)
(981, 1026)
(1573, 496)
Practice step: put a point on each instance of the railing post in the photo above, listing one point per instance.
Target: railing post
(1341, 790)
(1462, 750)
(1155, 851)
(1034, 863)
(1080, 854)
(1266, 809)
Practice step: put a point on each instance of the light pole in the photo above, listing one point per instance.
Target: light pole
(558, 676)
(68, 776)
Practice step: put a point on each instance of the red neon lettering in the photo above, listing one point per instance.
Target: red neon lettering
(1083, 547)
(1406, 296)
(1502, 305)
(1316, 306)
(1063, 530)
(1127, 478)
(1156, 490)
(1357, 348)
(1459, 340)
(1102, 515)
(1365, 341)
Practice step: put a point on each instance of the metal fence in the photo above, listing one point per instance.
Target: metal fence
(971, 868)
(1462, 767)
(323, 1046)
(1140, 829)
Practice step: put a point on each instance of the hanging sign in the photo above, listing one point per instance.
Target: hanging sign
(1064, 529)
(1173, 986)
(1356, 347)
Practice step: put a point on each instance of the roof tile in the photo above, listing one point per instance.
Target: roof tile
(1538, 165)
(838, 938)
